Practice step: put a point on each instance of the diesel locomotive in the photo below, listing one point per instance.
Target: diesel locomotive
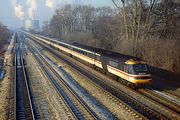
(132, 70)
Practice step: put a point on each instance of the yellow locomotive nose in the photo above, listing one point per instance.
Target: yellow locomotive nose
(143, 80)
(140, 81)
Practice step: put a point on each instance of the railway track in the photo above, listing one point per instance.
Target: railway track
(23, 108)
(21, 105)
(156, 96)
(74, 106)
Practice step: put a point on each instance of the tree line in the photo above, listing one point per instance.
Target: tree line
(149, 29)
(4, 35)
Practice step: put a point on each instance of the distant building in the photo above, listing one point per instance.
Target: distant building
(28, 25)
(36, 24)
(31, 25)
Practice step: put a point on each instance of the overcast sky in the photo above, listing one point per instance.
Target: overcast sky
(13, 12)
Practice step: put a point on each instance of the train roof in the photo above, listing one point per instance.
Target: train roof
(101, 52)
(108, 53)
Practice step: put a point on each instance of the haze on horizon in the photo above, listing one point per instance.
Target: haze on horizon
(14, 12)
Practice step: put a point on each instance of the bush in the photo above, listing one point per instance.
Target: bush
(85, 38)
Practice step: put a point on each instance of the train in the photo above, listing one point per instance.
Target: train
(130, 70)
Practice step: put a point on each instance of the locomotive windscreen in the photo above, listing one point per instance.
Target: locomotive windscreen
(140, 68)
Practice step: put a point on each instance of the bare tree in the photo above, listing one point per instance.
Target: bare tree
(4, 35)
(137, 18)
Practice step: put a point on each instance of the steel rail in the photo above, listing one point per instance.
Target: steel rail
(27, 85)
(15, 64)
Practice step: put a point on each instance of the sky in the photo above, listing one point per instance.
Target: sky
(14, 12)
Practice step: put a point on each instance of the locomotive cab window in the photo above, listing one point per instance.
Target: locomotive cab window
(139, 68)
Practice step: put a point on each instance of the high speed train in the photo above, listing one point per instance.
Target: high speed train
(132, 70)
